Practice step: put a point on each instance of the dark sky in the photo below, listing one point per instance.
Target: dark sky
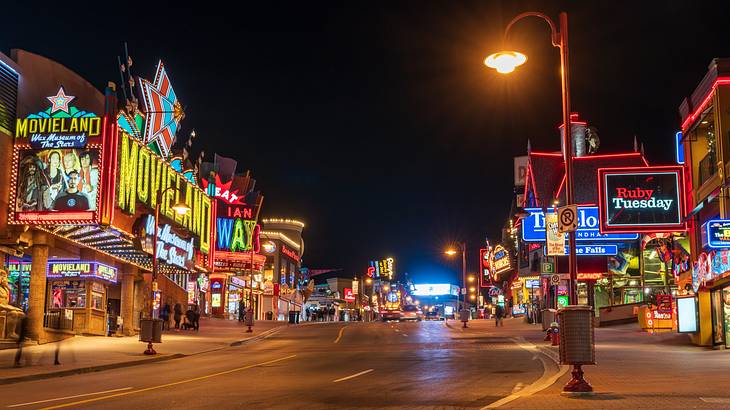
(376, 122)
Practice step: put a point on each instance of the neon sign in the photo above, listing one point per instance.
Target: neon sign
(485, 266)
(60, 126)
(142, 174)
(501, 261)
(289, 252)
(223, 191)
(81, 269)
(533, 227)
(164, 111)
(716, 233)
(641, 199)
(171, 248)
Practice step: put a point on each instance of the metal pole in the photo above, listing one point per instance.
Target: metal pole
(568, 146)
(250, 293)
(463, 270)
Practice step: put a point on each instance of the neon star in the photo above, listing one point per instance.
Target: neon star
(60, 101)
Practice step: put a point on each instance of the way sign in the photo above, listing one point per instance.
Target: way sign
(567, 218)
(555, 280)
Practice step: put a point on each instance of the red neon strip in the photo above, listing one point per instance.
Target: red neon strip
(627, 154)
(532, 179)
(693, 117)
(546, 154)
(560, 188)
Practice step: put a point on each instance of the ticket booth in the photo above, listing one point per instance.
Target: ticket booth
(77, 292)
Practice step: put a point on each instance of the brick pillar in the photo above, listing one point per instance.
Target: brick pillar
(37, 295)
(127, 302)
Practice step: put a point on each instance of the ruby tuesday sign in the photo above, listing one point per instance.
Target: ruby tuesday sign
(641, 199)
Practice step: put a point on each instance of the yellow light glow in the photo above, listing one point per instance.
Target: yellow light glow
(181, 208)
(472, 297)
(472, 289)
(386, 288)
(368, 281)
(505, 61)
(451, 252)
(472, 278)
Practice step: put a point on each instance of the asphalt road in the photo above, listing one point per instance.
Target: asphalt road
(322, 366)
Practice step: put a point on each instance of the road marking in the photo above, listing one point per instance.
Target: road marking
(162, 386)
(69, 397)
(404, 335)
(353, 376)
(339, 336)
(540, 384)
(397, 330)
(716, 400)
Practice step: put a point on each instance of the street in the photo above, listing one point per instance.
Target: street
(321, 366)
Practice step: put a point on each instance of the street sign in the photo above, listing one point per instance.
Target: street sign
(555, 280)
(567, 218)
(547, 267)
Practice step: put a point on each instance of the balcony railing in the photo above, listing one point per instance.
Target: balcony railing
(708, 167)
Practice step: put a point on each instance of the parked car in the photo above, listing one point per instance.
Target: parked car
(433, 314)
(411, 312)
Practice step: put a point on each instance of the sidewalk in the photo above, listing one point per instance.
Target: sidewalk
(82, 354)
(635, 370)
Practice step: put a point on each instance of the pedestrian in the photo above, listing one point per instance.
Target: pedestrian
(306, 314)
(242, 312)
(332, 313)
(196, 317)
(177, 315)
(189, 319)
(165, 316)
(498, 315)
(21, 338)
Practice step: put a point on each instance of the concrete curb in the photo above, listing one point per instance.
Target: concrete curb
(90, 369)
(130, 363)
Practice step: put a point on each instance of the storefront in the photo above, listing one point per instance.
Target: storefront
(81, 287)
(19, 281)
(88, 182)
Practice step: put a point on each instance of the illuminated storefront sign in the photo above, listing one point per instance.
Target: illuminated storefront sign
(501, 261)
(384, 268)
(592, 250)
(641, 199)
(589, 276)
(223, 191)
(81, 269)
(142, 174)
(56, 170)
(438, 289)
(485, 267)
(289, 252)
(716, 233)
(60, 126)
(171, 248)
(533, 227)
(348, 295)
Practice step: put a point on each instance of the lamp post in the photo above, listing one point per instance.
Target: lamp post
(506, 62)
(451, 252)
(181, 208)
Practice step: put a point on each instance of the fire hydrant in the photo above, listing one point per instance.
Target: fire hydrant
(554, 333)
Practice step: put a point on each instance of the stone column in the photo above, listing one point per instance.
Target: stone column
(127, 302)
(37, 295)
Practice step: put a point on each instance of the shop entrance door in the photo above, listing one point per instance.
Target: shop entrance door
(720, 316)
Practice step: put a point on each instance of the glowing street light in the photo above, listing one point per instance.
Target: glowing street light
(505, 62)
(451, 251)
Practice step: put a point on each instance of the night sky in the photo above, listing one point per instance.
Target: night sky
(377, 123)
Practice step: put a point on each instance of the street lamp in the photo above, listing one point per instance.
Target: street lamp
(506, 62)
(460, 247)
(180, 208)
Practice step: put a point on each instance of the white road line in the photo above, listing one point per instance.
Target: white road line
(404, 335)
(540, 384)
(716, 400)
(69, 397)
(353, 376)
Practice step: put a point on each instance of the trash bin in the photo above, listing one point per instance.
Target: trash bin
(269, 315)
(577, 346)
(291, 317)
(150, 330)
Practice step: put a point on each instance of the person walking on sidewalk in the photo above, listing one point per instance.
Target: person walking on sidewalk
(177, 315)
(196, 317)
(21, 338)
(498, 316)
(165, 316)
(242, 312)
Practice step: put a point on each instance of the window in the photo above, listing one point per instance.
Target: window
(704, 133)
(68, 294)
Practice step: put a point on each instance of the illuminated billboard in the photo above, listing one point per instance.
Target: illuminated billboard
(57, 168)
(438, 289)
(641, 199)
(485, 267)
(384, 268)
